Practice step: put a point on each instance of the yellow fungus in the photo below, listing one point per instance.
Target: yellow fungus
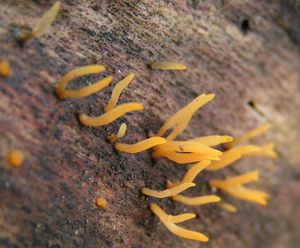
(233, 155)
(228, 207)
(195, 201)
(120, 133)
(243, 193)
(167, 66)
(43, 24)
(140, 146)
(186, 158)
(213, 140)
(179, 231)
(15, 158)
(186, 152)
(241, 179)
(87, 90)
(117, 91)
(182, 116)
(111, 115)
(191, 173)
(180, 218)
(101, 202)
(250, 135)
(5, 70)
(234, 186)
(168, 192)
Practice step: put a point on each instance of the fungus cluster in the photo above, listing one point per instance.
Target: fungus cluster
(198, 151)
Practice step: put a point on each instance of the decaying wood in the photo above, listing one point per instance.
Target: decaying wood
(246, 52)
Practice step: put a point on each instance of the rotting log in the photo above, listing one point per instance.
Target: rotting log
(246, 52)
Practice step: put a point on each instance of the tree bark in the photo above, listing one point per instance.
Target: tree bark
(246, 52)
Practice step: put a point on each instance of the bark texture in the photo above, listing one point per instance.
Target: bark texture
(246, 52)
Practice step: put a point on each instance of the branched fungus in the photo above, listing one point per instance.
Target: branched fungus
(181, 118)
(234, 186)
(172, 227)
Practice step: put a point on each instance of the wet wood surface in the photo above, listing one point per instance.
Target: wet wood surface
(246, 52)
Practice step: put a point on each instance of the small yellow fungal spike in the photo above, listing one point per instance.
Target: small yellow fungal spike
(186, 158)
(140, 146)
(259, 197)
(43, 24)
(167, 66)
(179, 231)
(195, 201)
(250, 135)
(237, 180)
(110, 116)
(117, 91)
(182, 116)
(228, 207)
(191, 173)
(180, 218)
(15, 158)
(5, 70)
(168, 192)
(101, 202)
(213, 140)
(85, 91)
(233, 155)
(120, 134)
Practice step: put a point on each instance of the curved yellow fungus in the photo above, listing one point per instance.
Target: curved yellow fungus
(140, 146)
(43, 24)
(179, 231)
(250, 135)
(166, 66)
(213, 140)
(228, 207)
(111, 115)
(117, 91)
(185, 158)
(168, 192)
(234, 186)
(87, 90)
(120, 133)
(194, 201)
(15, 158)
(191, 173)
(5, 70)
(182, 116)
(101, 202)
(180, 218)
